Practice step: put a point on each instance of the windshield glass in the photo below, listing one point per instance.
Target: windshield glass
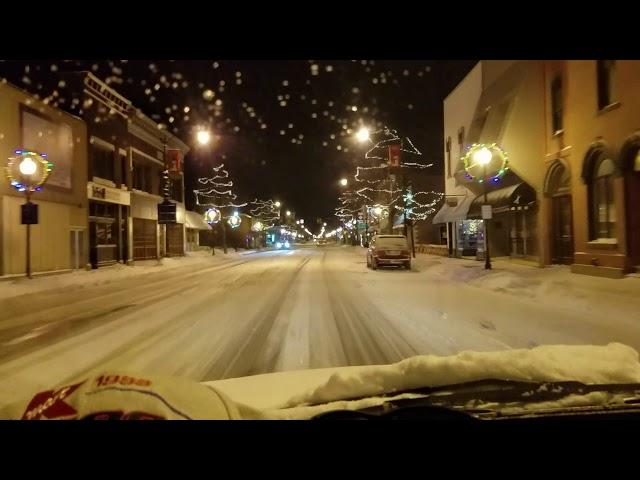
(219, 220)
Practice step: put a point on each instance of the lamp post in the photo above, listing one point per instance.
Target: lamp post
(483, 157)
(27, 172)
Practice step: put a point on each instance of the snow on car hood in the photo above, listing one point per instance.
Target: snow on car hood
(297, 394)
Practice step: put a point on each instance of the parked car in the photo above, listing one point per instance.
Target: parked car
(388, 250)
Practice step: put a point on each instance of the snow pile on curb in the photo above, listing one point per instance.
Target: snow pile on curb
(613, 363)
(101, 276)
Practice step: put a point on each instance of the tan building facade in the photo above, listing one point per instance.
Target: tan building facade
(501, 102)
(59, 240)
(592, 182)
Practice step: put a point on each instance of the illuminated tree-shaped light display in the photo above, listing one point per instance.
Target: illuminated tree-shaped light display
(379, 189)
(216, 194)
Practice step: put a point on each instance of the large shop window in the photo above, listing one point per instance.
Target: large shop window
(602, 204)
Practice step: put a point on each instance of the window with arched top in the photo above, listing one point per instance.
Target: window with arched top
(602, 217)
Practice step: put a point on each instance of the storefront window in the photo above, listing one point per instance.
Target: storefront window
(104, 234)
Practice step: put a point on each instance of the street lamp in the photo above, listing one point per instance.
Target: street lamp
(344, 182)
(362, 135)
(277, 204)
(483, 157)
(27, 172)
(288, 213)
(203, 137)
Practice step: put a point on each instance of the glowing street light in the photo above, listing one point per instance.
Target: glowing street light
(277, 204)
(27, 166)
(288, 213)
(344, 182)
(482, 156)
(362, 135)
(203, 137)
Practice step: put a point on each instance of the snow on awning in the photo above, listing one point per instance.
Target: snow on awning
(449, 214)
(194, 220)
(520, 196)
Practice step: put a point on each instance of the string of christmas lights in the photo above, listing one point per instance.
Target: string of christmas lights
(212, 197)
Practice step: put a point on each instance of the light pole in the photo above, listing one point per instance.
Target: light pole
(483, 157)
(27, 172)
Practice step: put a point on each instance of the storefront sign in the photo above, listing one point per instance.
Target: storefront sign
(98, 192)
(107, 194)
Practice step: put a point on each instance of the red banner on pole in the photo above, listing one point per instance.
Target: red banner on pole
(394, 155)
(174, 161)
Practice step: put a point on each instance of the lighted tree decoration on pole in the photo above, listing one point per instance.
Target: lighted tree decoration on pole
(217, 195)
(382, 191)
(27, 172)
(266, 214)
(351, 206)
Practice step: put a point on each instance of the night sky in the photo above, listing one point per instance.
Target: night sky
(284, 129)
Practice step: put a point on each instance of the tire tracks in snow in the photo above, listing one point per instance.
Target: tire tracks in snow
(366, 335)
(243, 362)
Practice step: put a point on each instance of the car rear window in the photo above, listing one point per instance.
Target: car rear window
(396, 242)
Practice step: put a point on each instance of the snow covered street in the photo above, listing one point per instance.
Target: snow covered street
(211, 318)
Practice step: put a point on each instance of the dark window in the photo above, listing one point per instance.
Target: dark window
(176, 190)
(461, 137)
(448, 148)
(102, 161)
(140, 176)
(606, 82)
(602, 204)
(556, 104)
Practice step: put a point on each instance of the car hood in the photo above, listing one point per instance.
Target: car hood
(303, 394)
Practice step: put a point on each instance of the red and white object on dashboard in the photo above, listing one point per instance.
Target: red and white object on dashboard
(115, 396)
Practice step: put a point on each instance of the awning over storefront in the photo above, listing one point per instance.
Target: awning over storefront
(456, 213)
(520, 196)
(195, 220)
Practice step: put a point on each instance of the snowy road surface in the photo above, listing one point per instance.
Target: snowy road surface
(277, 311)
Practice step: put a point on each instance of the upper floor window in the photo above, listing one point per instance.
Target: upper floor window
(556, 104)
(606, 70)
(447, 147)
(102, 162)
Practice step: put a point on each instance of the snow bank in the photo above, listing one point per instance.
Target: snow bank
(614, 363)
(105, 275)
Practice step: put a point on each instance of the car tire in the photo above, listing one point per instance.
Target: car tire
(374, 264)
(407, 265)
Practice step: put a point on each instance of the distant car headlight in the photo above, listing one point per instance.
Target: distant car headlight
(278, 245)
(286, 244)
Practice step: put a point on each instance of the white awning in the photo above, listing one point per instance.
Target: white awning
(449, 214)
(195, 220)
